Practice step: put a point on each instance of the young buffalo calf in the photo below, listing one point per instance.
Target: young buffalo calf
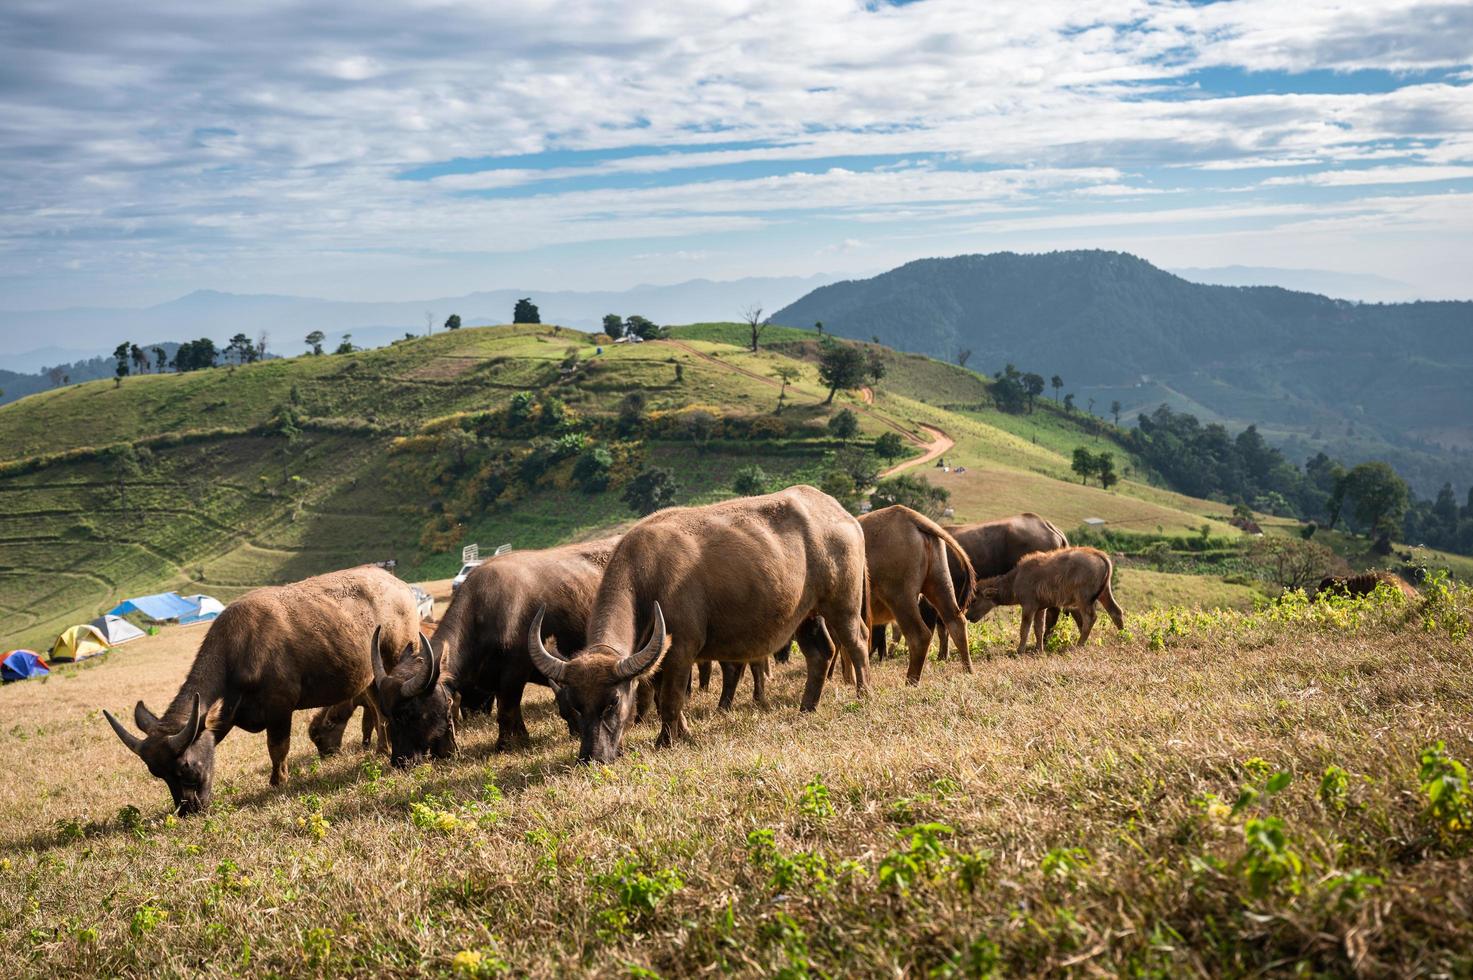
(1070, 579)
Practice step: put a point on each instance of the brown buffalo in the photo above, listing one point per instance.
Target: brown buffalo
(271, 652)
(481, 644)
(910, 556)
(1364, 584)
(730, 582)
(993, 547)
(1070, 578)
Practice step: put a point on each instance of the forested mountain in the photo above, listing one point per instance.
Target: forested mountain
(1387, 379)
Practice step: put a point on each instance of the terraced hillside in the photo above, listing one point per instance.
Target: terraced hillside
(230, 478)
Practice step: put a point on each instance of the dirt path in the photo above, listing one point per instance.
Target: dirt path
(940, 443)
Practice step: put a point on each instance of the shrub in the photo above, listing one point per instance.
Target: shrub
(593, 470)
(915, 492)
(1444, 781)
(653, 489)
(750, 481)
(844, 425)
(890, 446)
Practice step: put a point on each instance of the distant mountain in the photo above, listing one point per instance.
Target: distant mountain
(88, 331)
(1362, 287)
(1305, 367)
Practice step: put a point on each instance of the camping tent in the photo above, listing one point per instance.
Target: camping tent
(20, 664)
(206, 608)
(116, 629)
(79, 643)
(161, 606)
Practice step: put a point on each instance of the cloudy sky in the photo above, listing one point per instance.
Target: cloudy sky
(390, 151)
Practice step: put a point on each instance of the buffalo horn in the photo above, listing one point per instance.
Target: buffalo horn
(637, 663)
(184, 737)
(552, 666)
(128, 738)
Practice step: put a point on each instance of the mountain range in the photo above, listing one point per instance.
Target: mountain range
(1388, 380)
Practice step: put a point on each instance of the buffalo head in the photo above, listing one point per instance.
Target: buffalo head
(183, 757)
(987, 597)
(596, 688)
(414, 703)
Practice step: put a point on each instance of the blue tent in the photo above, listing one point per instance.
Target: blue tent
(21, 664)
(159, 607)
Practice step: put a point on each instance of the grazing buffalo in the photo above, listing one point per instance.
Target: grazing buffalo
(910, 556)
(1070, 578)
(732, 582)
(271, 652)
(993, 547)
(1364, 584)
(479, 650)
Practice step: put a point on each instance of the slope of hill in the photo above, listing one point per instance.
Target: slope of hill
(1392, 376)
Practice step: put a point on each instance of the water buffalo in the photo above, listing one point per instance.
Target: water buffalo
(993, 547)
(731, 582)
(271, 652)
(479, 649)
(1069, 578)
(910, 556)
(1364, 584)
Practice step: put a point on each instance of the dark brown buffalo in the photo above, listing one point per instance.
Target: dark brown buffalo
(271, 652)
(993, 547)
(1364, 584)
(1069, 578)
(732, 582)
(479, 649)
(909, 556)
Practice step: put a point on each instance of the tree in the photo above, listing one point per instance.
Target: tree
(285, 425)
(1069, 403)
(1292, 563)
(787, 374)
(613, 325)
(258, 353)
(1084, 464)
(1091, 408)
(314, 340)
(750, 481)
(840, 366)
(890, 446)
(452, 322)
(700, 425)
(160, 360)
(594, 469)
(963, 356)
(631, 413)
(139, 358)
(1115, 411)
(1056, 383)
(818, 325)
(1033, 384)
(54, 375)
(874, 367)
(1010, 391)
(346, 347)
(195, 355)
(915, 492)
(654, 488)
(121, 371)
(1377, 496)
(756, 326)
(238, 347)
(525, 312)
(1445, 508)
(1105, 470)
(844, 425)
(643, 328)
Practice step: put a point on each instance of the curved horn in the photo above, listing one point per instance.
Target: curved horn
(428, 672)
(146, 720)
(379, 674)
(128, 738)
(551, 665)
(184, 737)
(637, 663)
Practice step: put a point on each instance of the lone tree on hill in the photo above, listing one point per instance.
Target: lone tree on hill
(140, 359)
(752, 317)
(818, 325)
(1105, 470)
(1056, 383)
(889, 446)
(613, 325)
(525, 312)
(874, 366)
(840, 366)
(346, 347)
(1115, 411)
(452, 322)
(1084, 464)
(121, 371)
(314, 340)
(787, 374)
(653, 489)
(160, 360)
(641, 327)
(844, 425)
(963, 356)
(1033, 384)
(1069, 403)
(54, 375)
(1378, 498)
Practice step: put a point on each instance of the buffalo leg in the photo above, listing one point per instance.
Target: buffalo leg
(510, 728)
(1051, 621)
(674, 683)
(731, 676)
(818, 651)
(278, 744)
(930, 617)
(917, 639)
(1025, 623)
(759, 683)
(850, 637)
(1087, 615)
(703, 672)
(877, 641)
(368, 725)
(1038, 618)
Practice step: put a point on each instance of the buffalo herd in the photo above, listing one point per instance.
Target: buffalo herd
(614, 627)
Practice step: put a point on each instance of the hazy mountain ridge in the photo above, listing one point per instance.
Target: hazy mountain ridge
(1116, 327)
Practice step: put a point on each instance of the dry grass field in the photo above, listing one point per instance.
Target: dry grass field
(1208, 793)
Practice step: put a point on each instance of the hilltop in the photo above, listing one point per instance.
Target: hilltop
(1358, 380)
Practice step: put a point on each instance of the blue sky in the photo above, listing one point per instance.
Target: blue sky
(393, 151)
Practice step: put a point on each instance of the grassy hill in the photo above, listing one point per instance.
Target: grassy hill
(402, 452)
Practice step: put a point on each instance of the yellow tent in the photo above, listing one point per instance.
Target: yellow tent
(79, 643)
